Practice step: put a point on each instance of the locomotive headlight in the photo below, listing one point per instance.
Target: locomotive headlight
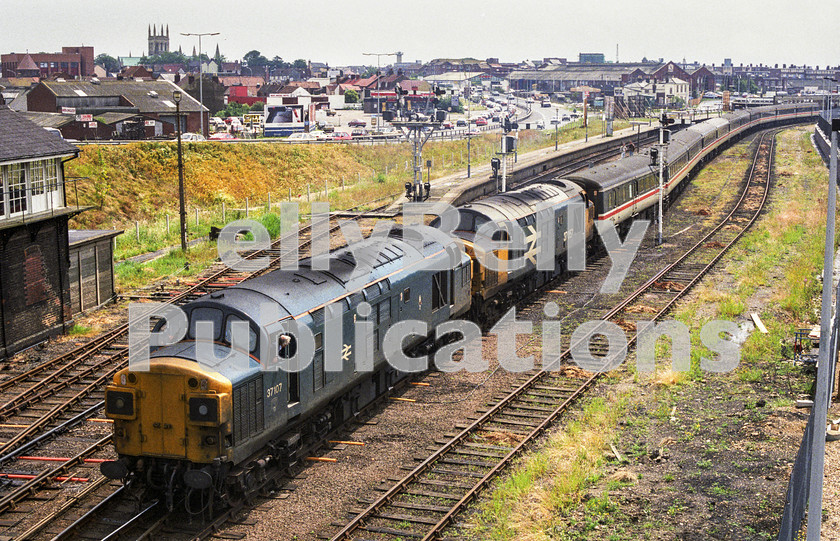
(119, 403)
(204, 410)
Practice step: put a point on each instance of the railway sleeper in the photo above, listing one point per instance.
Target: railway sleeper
(431, 494)
(391, 531)
(440, 483)
(480, 454)
(401, 517)
(411, 505)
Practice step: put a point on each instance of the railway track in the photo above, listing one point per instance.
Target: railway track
(40, 400)
(61, 399)
(426, 501)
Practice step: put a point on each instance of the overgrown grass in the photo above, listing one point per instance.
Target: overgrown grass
(131, 275)
(550, 482)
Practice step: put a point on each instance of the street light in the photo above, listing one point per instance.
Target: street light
(176, 97)
(830, 100)
(378, 92)
(200, 74)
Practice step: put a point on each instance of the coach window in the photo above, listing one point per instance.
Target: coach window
(406, 295)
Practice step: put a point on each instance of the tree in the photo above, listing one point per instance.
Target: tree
(233, 109)
(253, 59)
(169, 57)
(300, 64)
(351, 96)
(278, 63)
(108, 63)
(257, 106)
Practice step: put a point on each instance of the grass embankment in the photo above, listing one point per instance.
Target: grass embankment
(135, 187)
(707, 453)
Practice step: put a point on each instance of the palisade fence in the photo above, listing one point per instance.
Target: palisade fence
(796, 499)
(150, 235)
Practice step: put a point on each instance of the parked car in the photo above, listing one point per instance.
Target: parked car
(554, 121)
(301, 136)
(357, 123)
(460, 122)
(222, 136)
(318, 134)
(473, 132)
(340, 136)
(358, 132)
(447, 125)
(566, 118)
(540, 125)
(546, 103)
(192, 137)
(481, 122)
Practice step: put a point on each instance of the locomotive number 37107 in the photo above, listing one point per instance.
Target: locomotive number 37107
(273, 391)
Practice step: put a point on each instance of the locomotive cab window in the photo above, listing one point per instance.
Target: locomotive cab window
(406, 295)
(212, 315)
(252, 336)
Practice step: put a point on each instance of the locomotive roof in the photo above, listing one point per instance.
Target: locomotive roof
(516, 204)
(299, 291)
(613, 173)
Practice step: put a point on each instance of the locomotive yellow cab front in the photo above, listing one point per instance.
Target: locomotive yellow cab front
(173, 411)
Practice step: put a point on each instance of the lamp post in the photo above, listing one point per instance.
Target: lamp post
(378, 91)
(200, 74)
(830, 101)
(176, 96)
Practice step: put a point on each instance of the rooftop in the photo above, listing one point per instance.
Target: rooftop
(22, 139)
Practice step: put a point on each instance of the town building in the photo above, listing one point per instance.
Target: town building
(158, 43)
(150, 102)
(71, 62)
(35, 207)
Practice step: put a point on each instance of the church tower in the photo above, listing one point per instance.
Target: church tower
(158, 43)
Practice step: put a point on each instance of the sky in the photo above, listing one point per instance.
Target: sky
(340, 31)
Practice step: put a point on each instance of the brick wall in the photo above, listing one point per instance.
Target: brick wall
(33, 283)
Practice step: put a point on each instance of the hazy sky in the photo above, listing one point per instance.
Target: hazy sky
(339, 31)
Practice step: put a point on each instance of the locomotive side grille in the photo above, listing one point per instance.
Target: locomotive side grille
(248, 415)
